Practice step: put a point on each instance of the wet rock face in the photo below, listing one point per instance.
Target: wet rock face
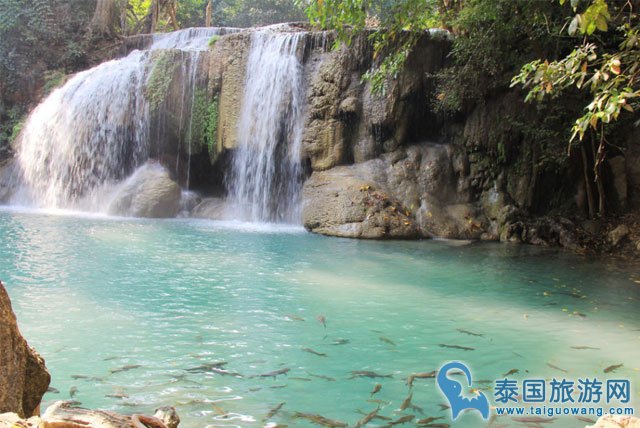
(23, 376)
(342, 202)
(149, 192)
(421, 191)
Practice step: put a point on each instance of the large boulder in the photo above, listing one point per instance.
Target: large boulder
(149, 192)
(23, 376)
(338, 202)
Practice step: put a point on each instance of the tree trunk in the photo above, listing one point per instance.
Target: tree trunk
(208, 14)
(171, 9)
(103, 22)
(597, 171)
(587, 183)
(155, 15)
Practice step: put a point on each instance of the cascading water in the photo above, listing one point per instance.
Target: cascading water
(266, 176)
(95, 130)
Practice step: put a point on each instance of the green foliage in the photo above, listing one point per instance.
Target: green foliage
(52, 79)
(213, 40)
(211, 127)
(203, 128)
(159, 82)
(399, 24)
(608, 74)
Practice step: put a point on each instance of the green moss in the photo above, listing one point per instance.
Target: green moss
(15, 131)
(211, 127)
(53, 79)
(213, 40)
(159, 82)
(204, 123)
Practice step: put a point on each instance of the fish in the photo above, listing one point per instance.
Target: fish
(321, 420)
(402, 420)
(274, 373)
(322, 320)
(367, 418)
(557, 368)
(274, 411)
(378, 402)
(571, 294)
(305, 379)
(224, 372)
(470, 333)
(314, 352)
(367, 373)
(584, 347)
(376, 389)
(428, 420)
(90, 378)
(207, 367)
(426, 375)
(464, 348)
(580, 314)
(125, 368)
(444, 406)
(613, 368)
(294, 317)
(533, 419)
(53, 390)
(386, 340)
(510, 372)
(585, 419)
(111, 358)
(327, 378)
(406, 403)
(438, 425)
(416, 409)
(341, 341)
(118, 395)
(73, 391)
(278, 386)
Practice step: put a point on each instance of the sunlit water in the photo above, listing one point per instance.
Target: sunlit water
(96, 294)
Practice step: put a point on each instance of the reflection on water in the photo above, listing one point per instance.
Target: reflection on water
(136, 314)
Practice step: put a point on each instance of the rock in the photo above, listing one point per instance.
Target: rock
(12, 420)
(617, 167)
(638, 245)
(168, 415)
(62, 414)
(149, 192)
(227, 70)
(340, 203)
(8, 172)
(23, 376)
(618, 234)
(210, 208)
(611, 421)
(350, 105)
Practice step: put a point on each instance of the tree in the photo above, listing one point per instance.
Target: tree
(103, 22)
(606, 66)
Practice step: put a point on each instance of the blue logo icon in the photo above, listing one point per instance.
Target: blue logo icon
(452, 390)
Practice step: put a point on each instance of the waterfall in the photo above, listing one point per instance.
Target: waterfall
(95, 130)
(265, 180)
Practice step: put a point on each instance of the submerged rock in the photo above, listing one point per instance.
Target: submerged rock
(24, 379)
(611, 421)
(149, 192)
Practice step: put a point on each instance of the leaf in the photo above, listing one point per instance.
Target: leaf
(601, 23)
(573, 26)
(615, 69)
(627, 107)
(574, 4)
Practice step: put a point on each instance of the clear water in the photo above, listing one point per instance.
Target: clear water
(93, 294)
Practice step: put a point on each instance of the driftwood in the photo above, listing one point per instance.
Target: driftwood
(62, 414)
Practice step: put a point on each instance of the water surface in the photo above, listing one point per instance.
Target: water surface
(96, 294)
